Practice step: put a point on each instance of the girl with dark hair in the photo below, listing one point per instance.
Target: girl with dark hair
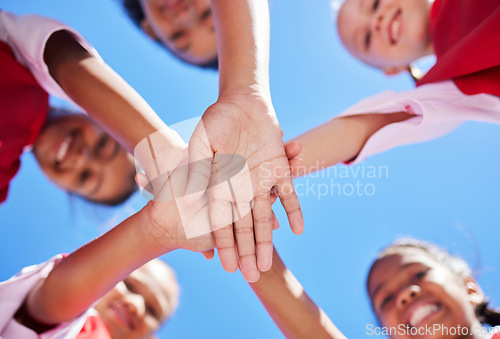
(414, 287)
(183, 27)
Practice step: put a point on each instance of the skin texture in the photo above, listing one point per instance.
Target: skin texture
(286, 301)
(95, 166)
(243, 108)
(137, 306)
(185, 27)
(408, 278)
(365, 29)
(244, 103)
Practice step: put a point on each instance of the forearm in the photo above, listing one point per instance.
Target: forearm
(341, 139)
(103, 94)
(291, 308)
(91, 271)
(242, 28)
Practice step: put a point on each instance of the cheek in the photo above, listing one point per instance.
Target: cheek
(388, 318)
(61, 180)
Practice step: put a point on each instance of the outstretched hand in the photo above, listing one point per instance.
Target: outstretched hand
(236, 153)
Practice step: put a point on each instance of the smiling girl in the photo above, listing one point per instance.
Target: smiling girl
(412, 285)
(184, 27)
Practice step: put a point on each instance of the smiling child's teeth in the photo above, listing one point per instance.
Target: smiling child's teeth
(421, 313)
(63, 149)
(395, 30)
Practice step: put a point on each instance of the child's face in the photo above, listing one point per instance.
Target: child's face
(410, 288)
(185, 27)
(81, 158)
(137, 306)
(385, 33)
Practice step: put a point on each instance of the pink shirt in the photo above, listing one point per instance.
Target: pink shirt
(27, 36)
(14, 291)
(439, 109)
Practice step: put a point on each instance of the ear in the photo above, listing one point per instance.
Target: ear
(146, 28)
(394, 70)
(474, 292)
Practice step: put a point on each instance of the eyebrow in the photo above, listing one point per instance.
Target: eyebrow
(381, 285)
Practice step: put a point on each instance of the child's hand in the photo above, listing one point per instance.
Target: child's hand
(172, 222)
(243, 125)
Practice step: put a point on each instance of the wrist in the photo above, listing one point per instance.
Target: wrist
(245, 89)
(158, 222)
(161, 151)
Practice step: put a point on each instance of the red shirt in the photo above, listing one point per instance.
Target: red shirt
(466, 38)
(24, 110)
(94, 328)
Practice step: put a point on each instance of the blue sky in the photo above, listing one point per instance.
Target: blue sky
(445, 191)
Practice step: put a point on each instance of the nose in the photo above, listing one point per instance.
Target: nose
(136, 305)
(185, 17)
(376, 21)
(407, 294)
(83, 157)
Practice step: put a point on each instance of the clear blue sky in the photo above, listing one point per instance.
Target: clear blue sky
(444, 191)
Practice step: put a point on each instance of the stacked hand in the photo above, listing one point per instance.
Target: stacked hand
(242, 128)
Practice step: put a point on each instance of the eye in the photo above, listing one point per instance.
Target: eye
(367, 40)
(375, 5)
(129, 286)
(83, 177)
(206, 14)
(151, 310)
(386, 300)
(419, 276)
(101, 144)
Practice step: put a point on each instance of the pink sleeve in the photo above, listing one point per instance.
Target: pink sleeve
(27, 36)
(14, 291)
(439, 108)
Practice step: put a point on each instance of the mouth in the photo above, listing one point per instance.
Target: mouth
(394, 28)
(422, 313)
(65, 146)
(171, 4)
(122, 315)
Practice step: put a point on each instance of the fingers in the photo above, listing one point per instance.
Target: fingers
(143, 182)
(296, 167)
(245, 241)
(200, 164)
(221, 219)
(293, 149)
(276, 223)
(263, 226)
(209, 255)
(290, 202)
